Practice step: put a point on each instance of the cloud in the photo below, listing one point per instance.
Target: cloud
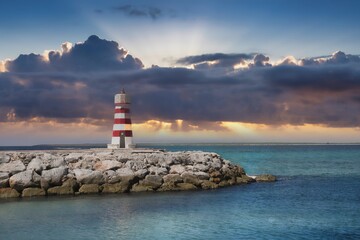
(94, 54)
(215, 60)
(338, 57)
(324, 93)
(133, 11)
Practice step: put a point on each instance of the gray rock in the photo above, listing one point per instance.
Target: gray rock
(67, 188)
(114, 188)
(265, 178)
(87, 163)
(8, 193)
(177, 169)
(152, 159)
(12, 167)
(36, 164)
(137, 187)
(4, 158)
(172, 178)
(32, 192)
(4, 179)
(125, 175)
(108, 175)
(158, 170)
(153, 181)
(208, 185)
(189, 177)
(141, 173)
(24, 179)
(57, 161)
(135, 165)
(165, 160)
(186, 186)
(215, 163)
(73, 157)
(53, 177)
(89, 188)
(199, 157)
(202, 175)
(87, 176)
(125, 172)
(244, 180)
(104, 154)
(201, 167)
(105, 165)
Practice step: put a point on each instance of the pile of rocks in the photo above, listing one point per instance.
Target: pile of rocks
(71, 172)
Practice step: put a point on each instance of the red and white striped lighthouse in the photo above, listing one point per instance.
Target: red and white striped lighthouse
(122, 133)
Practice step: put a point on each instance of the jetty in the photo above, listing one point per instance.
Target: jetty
(103, 171)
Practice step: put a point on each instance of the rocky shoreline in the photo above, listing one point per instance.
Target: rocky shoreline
(95, 171)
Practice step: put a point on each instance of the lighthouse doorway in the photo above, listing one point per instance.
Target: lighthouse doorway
(122, 140)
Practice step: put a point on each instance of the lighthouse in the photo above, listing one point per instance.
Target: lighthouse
(122, 133)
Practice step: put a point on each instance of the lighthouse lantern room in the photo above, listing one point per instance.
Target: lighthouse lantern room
(122, 133)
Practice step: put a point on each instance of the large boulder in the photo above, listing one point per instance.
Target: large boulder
(215, 163)
(138, 187)
(172, 178)
(53, 177)
(4, 158)
(186, 186)
(8, 193)
(57, 161)
(202, 175)
(135, 165)
(199, 157)
(4, 179)
(114, 188)
(105, 165)
(73, 157)
(141, 173)
(12, 167)
(153, 181)
(87, 176)
(206, 184)
(177, 169)
(201, 167)
(24, 179)
(69, 187)
(32, 192)
(158, 170)
(190, 177)
(244, 179)
(125, 175)
(36, 164)
(265, 178)
(89, 188)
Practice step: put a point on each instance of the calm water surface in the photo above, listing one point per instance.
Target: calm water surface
(317, 197)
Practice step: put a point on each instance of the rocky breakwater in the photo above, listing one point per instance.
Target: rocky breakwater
(73, 172)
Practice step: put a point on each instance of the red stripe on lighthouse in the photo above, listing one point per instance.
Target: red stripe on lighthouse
(127, 133)
(121, 104)
(122, 110)
(122, 121)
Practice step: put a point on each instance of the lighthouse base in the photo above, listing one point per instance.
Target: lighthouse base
(117, 146)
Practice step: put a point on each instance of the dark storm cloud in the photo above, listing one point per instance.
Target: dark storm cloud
(94, 54)
(134, 11)
(323, 93)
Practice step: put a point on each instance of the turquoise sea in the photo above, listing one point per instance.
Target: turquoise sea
(317, 197)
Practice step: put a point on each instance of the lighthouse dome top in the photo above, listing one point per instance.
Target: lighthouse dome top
(122, 97)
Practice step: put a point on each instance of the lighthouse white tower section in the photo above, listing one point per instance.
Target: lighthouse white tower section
(122, 133)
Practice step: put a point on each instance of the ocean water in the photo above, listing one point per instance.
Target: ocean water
(317, 197)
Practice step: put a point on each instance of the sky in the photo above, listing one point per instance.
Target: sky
(197, 71)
